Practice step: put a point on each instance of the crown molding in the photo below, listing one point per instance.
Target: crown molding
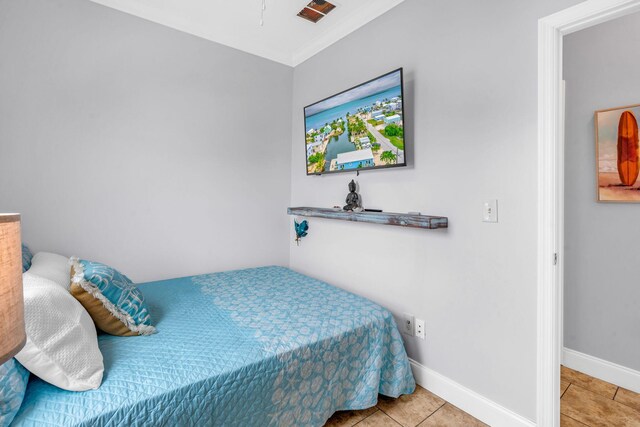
(336, 29)
(342, 29)
(181, 24)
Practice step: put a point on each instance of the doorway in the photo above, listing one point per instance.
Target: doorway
(551, 124)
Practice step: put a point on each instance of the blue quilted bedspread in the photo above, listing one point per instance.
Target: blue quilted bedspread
(257, 347)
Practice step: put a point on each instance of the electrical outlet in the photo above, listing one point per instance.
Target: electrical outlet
(407, 326)
(420, 328)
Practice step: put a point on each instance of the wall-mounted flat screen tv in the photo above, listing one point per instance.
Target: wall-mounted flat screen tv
(358, 129)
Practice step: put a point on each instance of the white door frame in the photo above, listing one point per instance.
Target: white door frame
(551, 30)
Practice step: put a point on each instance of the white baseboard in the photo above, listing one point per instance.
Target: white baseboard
(469, 401)
(599, 368)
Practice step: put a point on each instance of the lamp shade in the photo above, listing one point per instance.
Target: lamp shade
(12, 333)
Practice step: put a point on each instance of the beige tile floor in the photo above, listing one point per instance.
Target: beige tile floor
(420, 409)
(590, 402)
(585, 402)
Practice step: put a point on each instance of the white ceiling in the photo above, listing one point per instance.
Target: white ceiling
(284, 37)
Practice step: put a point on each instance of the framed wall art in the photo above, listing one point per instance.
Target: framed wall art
(617, 166)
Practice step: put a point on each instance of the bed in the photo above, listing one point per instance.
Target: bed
(257, 347)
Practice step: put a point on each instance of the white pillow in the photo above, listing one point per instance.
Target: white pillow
(62, 344)
(53, 267)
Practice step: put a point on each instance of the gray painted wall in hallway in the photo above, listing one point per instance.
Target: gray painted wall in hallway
(130, 143)
(602, 250)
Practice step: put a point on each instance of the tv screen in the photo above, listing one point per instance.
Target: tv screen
(358, 129)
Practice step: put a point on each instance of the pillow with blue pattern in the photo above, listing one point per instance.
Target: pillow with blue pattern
(13, 384)
(114, 303)
(27, 256)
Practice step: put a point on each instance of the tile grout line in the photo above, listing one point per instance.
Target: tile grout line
(579, 422)
(624, 404)
(429, 416)
(589, 387)
(565, 415)
(565, 390)
(595, 392)
(381, 410)
(617, 403)
(393, 419)
(362, 420)
(396, 422)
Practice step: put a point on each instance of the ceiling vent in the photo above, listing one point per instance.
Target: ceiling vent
(316, 10)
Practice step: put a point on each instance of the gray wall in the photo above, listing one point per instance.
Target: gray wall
(471, 89)
(602, 289)
(140, 146)
(120, 140)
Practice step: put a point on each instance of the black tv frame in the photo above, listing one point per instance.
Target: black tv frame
(347, 90)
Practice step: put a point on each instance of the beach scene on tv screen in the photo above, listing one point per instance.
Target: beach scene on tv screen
(360, 128)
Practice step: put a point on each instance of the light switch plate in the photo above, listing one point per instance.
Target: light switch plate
(490, 211)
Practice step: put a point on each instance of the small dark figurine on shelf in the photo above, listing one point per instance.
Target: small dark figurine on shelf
(353, 200)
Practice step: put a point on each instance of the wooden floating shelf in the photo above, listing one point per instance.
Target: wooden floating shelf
(384, 218)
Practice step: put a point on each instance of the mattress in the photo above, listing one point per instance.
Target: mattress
(257, 347)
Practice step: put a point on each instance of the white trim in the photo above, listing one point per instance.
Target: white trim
(548, 360)
(599, 368)
(154, 13)
(468, 400)
(551, 30)
(561, 207)
(356, 20)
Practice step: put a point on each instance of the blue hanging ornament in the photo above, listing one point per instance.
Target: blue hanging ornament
(301, 229)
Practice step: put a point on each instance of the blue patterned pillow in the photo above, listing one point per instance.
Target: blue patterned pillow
(114, 303)
(13, 384)
(26, 258)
